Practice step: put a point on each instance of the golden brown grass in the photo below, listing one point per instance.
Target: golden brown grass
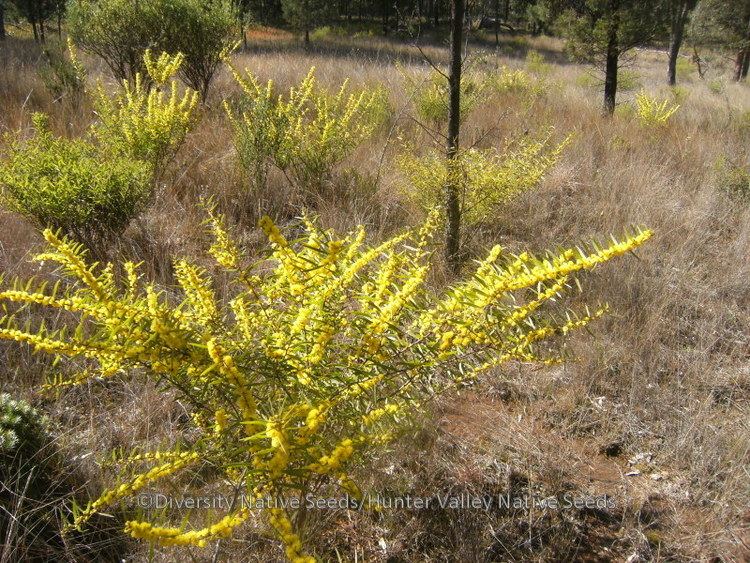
(667, 373)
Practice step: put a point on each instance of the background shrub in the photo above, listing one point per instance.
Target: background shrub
(119, 31)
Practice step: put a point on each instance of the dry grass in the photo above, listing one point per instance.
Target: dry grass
(666, 374)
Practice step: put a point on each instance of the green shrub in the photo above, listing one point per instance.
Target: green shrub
(71, 184)
(653, 112)
(488, 178)
(305, 133)
(119, 31)
(431, 95)
(716, 86)
(628, 80)
(734, 179)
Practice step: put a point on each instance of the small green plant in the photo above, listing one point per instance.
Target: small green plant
(515, 81)
(628, 80)
(431, 94)
(23, 431)
(64, 76)
(536, 64)
(305, 133)
(685, 69)
(488, 178)
(733, 179)
(119, 31)
(716, 86)
(85, 189)
(315, 360)
(652, 112)
(679, 94)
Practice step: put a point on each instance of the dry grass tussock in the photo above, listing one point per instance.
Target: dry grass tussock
(654, 412)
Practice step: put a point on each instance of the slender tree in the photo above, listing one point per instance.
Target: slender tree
(305, 15)
(679, 14)
(452, 203)
(600, 32)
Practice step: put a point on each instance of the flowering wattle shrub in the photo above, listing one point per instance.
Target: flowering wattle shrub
(312, 360)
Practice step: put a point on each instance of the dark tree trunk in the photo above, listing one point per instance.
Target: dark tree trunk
(2, 20)
(452, 204)
(497, 23)
(386, 15)
(612, 64)
(678, 21)
(36, 31)
(506, 17)
(741, 62)
(436, 11)
(307, 36)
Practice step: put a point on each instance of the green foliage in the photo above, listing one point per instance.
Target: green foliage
(327, 32)
(119, 31)
(653, 112)
(305, 133)
(679, 94)
(685, 69)
(201, 30)
(589, 25)
(516, 81)
(487, 178)
(716, 86)
(315, 360)
(84, 189)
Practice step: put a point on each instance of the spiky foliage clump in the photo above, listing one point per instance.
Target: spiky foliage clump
(313, 360)
(149, 119)
(22, 428)
(487, 178)
(652, 112)
(305, 133)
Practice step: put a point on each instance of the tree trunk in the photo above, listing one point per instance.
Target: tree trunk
(36, 32)
(452, 204)
(613, 60)
(497, 23)
(386, 15)
(2, 20)
(436, 11)
(741, 63)
(506, 17)
(675, 42)
(307, 36)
